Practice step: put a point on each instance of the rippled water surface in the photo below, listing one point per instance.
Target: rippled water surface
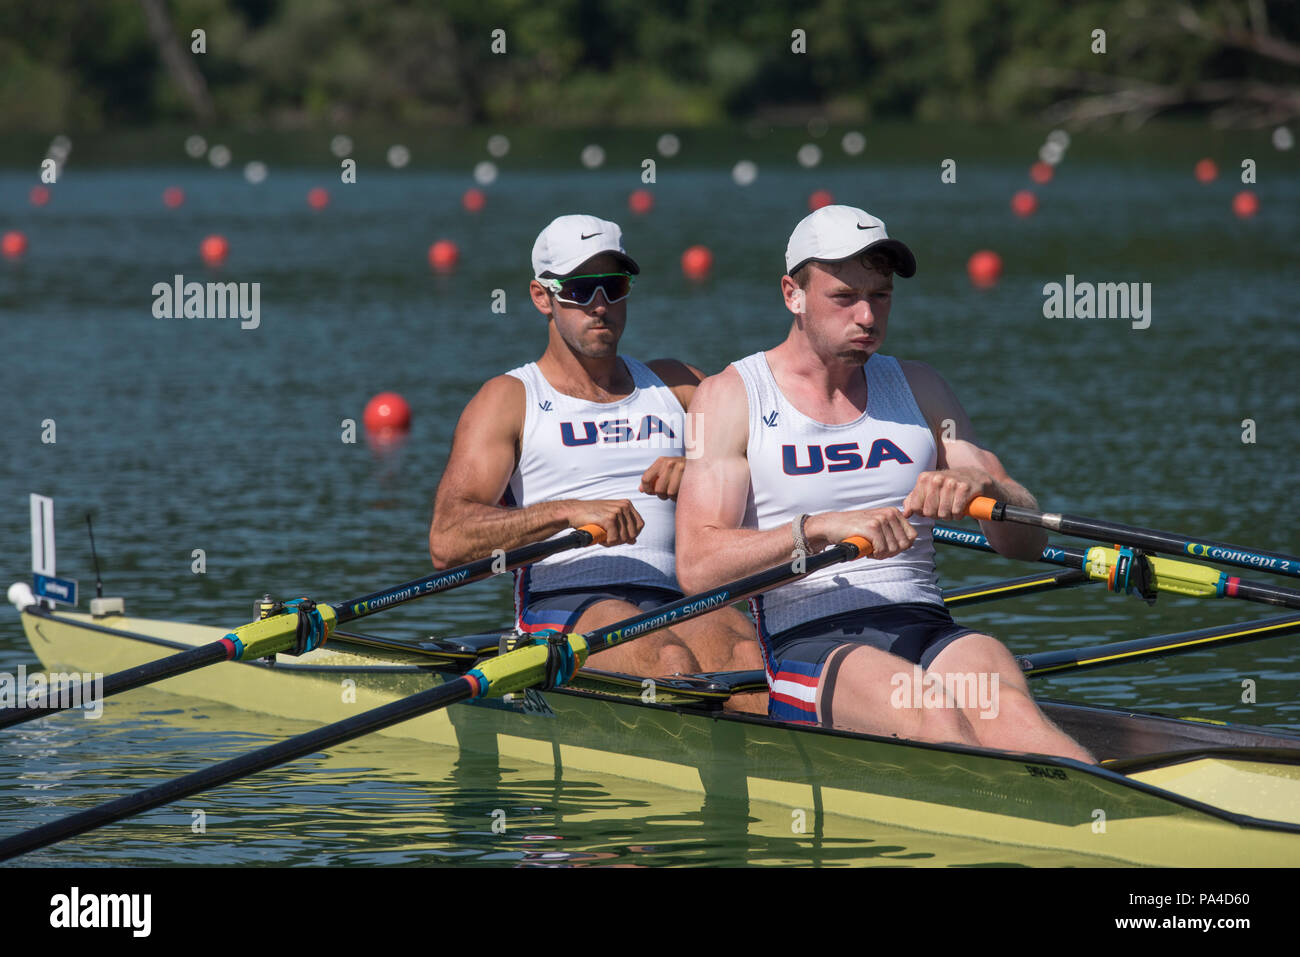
(194, 434)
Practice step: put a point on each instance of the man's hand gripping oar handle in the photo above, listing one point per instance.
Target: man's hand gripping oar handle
(596, 532)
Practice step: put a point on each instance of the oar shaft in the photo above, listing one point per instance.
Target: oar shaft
(986, 509)
(456, 690)
(278, 634)
(1015, 587)
(464, 574)
(1158, 646)
(704, 602)
(513, 671)
(144, 674)
(1171, 574)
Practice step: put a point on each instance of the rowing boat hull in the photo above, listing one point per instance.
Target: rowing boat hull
(1207, 811)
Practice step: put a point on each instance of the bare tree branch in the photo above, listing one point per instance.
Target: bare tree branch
(1256, 41)
(181, 66)
(1247, 102)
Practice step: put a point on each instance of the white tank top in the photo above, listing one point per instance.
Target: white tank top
(798, 465)
(573, 448)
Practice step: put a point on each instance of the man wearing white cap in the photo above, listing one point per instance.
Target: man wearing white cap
(822, 438)
(584, 436)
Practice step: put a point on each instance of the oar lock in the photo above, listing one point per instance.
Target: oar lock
(1132, 574)
(311, 631)
(560, 663)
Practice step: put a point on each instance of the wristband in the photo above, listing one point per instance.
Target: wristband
(800, 539)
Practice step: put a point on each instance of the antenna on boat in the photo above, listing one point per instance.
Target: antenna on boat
(99, 582)
(99, 605)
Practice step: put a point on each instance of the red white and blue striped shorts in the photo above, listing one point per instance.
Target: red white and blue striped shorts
(796, 658)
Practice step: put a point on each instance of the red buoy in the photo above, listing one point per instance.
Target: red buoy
(640, 201)
(214, 250)
(387, 414)
(819, 198)
(173, 196)
(1024, 203)
(697, 262)
(1041, 172)
(1245, 204)
(1206, 170)
(443, 255)
(474, 200)
(984, 268)
(318, 197)
(13, 244)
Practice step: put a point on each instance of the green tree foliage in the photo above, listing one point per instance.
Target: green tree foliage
(585, 62)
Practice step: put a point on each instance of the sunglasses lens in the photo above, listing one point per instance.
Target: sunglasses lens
(581, 290)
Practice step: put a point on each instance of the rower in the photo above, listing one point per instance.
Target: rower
(584, 436)
(822, 438)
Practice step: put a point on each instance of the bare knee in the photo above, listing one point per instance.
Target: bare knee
(944, 724)
(676, 659)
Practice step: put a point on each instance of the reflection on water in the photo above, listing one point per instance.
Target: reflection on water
(390, 802)
(181, 435)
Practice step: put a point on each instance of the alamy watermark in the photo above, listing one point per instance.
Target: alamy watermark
(209, 300)
(56, 690)
(1103, 300)
(969, 691)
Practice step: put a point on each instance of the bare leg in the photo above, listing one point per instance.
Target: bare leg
(656, 654)
(722, 640)
(866, 700)
(1015, 722)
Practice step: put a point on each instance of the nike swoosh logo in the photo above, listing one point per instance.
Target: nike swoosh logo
(589, 235)
(860, 226)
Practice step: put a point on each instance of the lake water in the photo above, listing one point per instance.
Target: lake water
(189, 434)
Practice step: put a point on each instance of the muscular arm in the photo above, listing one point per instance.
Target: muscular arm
(468, 522)
(712, 548)
(960, 452)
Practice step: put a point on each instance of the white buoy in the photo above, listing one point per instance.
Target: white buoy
(809, 155)
(398, 156)
(744, 172)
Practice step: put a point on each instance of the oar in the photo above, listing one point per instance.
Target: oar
(1157, 646)
(548, 661)
(305, 625)
(1012, 587)
(990, 510)
(1113, 566)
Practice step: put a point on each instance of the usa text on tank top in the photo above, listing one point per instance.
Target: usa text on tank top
(576, 449)
(798, 465)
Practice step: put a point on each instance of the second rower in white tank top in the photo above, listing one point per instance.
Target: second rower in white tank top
(545, 448)
(802, 449)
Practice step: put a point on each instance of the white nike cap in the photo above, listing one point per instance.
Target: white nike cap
(569, 241)
(834, 234)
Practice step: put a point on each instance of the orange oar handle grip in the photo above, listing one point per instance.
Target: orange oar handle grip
(982, 508)
(596, 532)
(861, 544)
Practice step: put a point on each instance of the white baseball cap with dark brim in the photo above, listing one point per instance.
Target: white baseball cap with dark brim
(569, 241)
(835, 234)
